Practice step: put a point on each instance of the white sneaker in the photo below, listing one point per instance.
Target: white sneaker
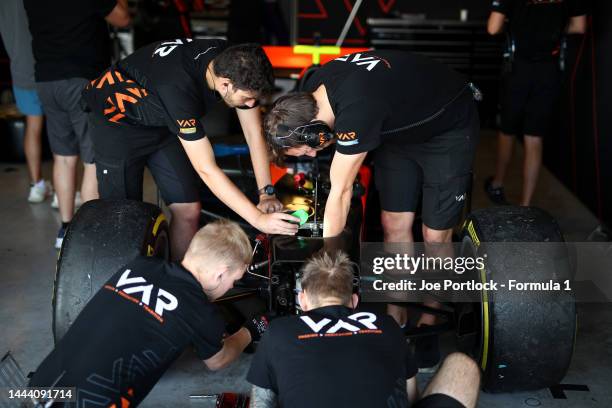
(77, 201)
(39, 192)
(60, 238)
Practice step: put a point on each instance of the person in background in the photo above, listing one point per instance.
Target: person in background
(532, 81)
(17, 41)
(71, 46)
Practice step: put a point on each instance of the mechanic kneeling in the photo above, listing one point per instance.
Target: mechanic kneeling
(333, 355)
(143, 318)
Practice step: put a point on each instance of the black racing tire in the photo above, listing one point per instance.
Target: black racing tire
(103, 236)
(526, 339)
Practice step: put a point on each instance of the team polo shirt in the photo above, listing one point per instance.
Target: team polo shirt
(130, 332)
(375, 92)
(160, 85)
(334, 357)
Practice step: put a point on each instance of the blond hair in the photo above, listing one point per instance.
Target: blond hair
(221, 241)
(328, 276)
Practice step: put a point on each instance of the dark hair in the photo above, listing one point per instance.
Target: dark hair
(329, 275)
(247, 66)
(292, 110)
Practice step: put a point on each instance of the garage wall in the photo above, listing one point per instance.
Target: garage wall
(327, 17)
(579, 151)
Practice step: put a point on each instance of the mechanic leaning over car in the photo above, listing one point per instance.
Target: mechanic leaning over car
(139, 106)
(418, 117)
(145, 316)
(333, 355)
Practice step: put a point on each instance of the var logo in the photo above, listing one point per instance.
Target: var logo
(186, 122)
(357, 59)
(363, 319)
(166, 48)
(132, 285)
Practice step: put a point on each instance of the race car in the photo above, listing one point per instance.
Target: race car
(521, 341)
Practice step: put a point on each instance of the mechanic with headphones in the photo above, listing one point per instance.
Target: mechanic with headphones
(531, 81)
(417, 116)
(146, 111)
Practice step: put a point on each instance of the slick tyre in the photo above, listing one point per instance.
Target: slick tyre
(525, 339)
(103, 236)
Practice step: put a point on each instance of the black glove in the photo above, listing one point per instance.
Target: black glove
(257, 325)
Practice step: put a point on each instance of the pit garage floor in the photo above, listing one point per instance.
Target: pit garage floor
(27, 266)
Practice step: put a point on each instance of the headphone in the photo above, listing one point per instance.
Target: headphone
(313, 134)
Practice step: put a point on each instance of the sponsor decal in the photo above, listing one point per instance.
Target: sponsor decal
(128, 285)
(187, 126)
(369, 61)
(347, 138)
(187, 131)
(322, 138)
(357, 323)
(167, 47)
(186, 122)
(118, 102)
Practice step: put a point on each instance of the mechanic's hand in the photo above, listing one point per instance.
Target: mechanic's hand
(257, 325)
(277, 223)
(269, 204)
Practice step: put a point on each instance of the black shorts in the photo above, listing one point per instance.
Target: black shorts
(438, 171)
(438, 401)
(529, 96)
(122, 152)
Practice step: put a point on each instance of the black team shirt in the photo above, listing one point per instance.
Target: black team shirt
(162, 84)
(536, 25)
(70, 38)
(130, 332)
(377, 91)
(334, 357)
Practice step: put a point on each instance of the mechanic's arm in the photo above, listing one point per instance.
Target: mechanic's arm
(496, 22)
(344, 169)
(202, 158)
(263, 398)
(577, 25)
(233, 346)
(119, 15)
(250, 121)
